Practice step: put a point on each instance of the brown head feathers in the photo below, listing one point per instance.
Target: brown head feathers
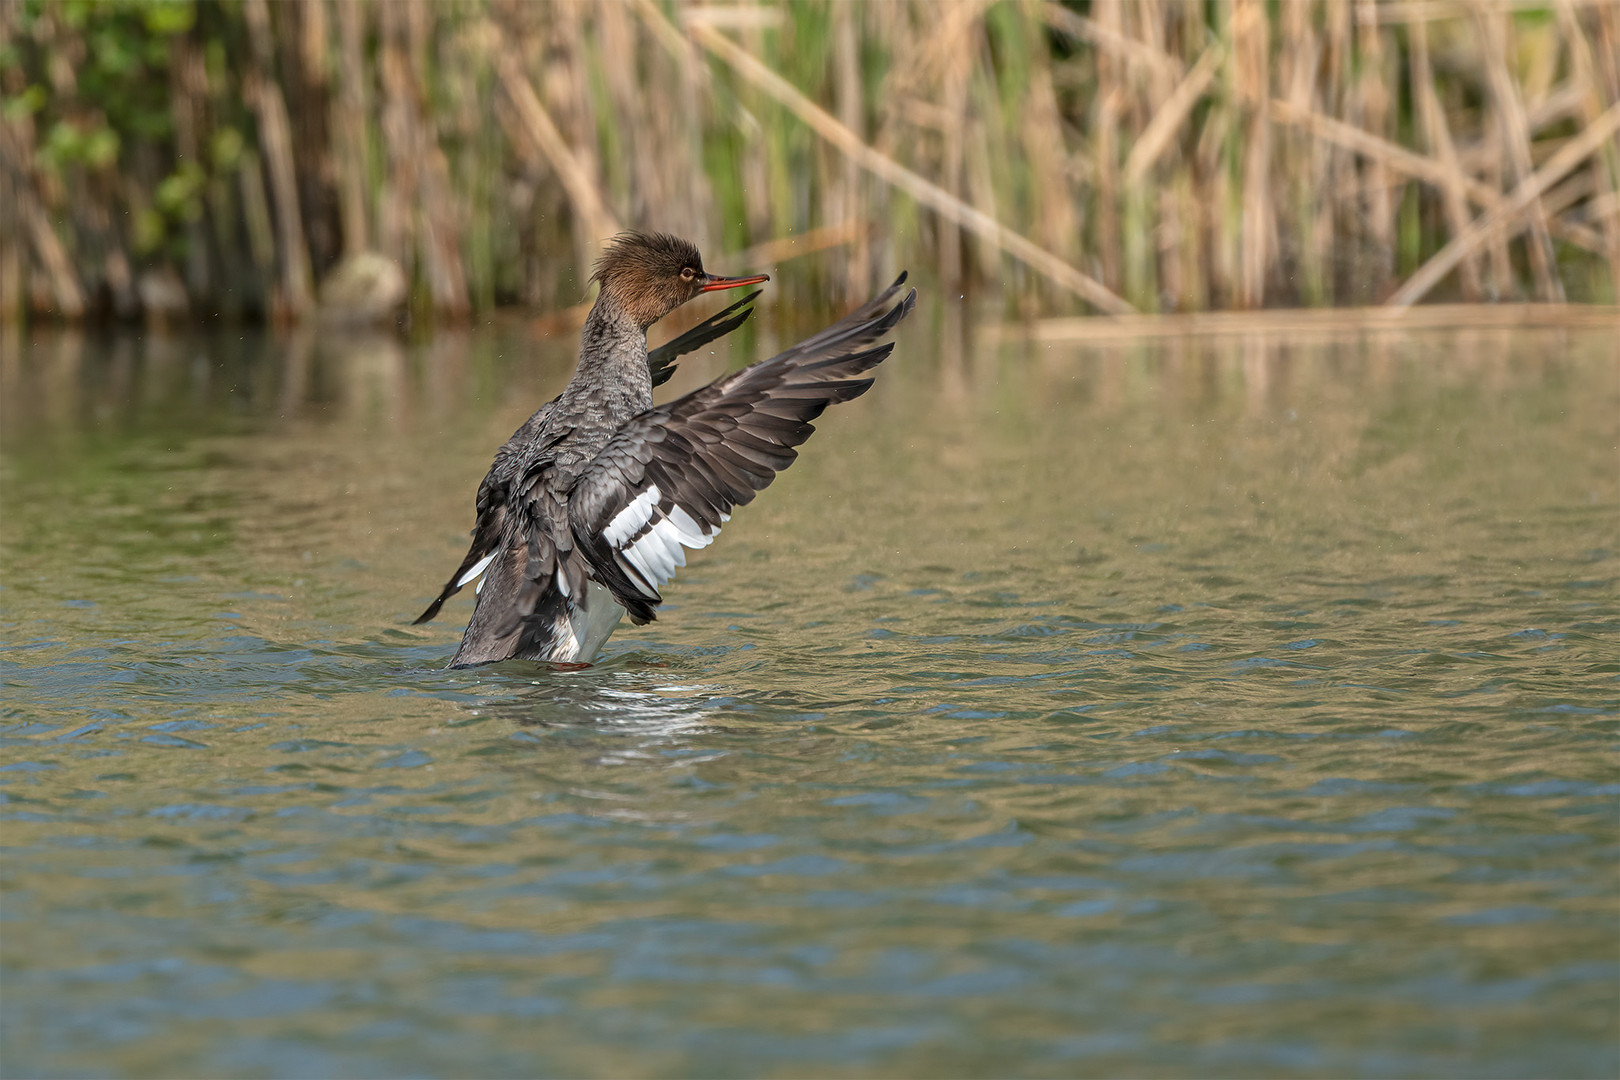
(648, 275)
(634, 253)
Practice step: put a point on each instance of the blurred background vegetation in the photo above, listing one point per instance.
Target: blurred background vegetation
(184, 159)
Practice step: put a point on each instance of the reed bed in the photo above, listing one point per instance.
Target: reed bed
(195, 158)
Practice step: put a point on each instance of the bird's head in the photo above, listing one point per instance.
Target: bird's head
(648, 275)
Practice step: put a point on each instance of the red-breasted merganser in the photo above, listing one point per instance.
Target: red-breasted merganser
(589, 506)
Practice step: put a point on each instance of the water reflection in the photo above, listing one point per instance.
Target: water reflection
(609, 699)
(73, 380)
(1061, 705)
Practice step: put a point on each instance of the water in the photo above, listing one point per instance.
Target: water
(1242, 706)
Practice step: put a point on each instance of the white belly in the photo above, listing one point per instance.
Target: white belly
(588, 625)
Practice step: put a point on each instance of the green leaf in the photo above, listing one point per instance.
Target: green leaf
(101, 148)
(149, 231)
(27, 103)
(227, 148)
(169, 16)
(180, 194)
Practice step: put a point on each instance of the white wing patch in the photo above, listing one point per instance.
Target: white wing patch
(629, 521)
(478, 568)
(687, 530)
(664, 537)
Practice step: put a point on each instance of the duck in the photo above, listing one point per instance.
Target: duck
(588, 510)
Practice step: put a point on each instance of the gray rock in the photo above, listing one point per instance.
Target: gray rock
(363, 288)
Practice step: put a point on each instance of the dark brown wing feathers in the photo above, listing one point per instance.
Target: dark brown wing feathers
(661, 361)
(711, 450)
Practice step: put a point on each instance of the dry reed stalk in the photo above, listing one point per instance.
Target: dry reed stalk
(892, 172)
(923, 61)
(598, 222)
(65, 285)
(440, 230)
(693, 74)
(1606, 163)
(982, 186)
(1560, 104)
(1580, 186)
(786, 248)
(464, 69)
(1033, 137)
(275, 139)
(1053, 205)
(1512, 214)
(757, 163)
(692, 89)
(1376, 111)
(1337, 49)
(846, 195)
(1389, 154)
(1398, 159)
(1112, 98)
(188, 92)
(116, 274)
(674, 42)
(954, 33)
(1516, 139)
(305, 36)
(1606, 31)
(1498, 261)
(296, 294)
(349, 126)
(1250, 53)
(398, 194)
(1218, 267)
(1438, 134)
(987, 175)
(1191, 194)
(1300, 158)
(256, 218)
(692, 84)
(1396, 12)
(637, 172)
(13, 264)
(1153, 30)
(1108, 38)
(1172, 241)
(1169, 116)
(242, 235)
(1144, 91)
(1323, 321)
(565, 85)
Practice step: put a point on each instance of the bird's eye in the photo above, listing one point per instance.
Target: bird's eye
(688, 273)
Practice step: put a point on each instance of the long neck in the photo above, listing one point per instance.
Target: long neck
(612, 373)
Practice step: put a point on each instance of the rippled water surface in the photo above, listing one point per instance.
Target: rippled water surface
(1232, 706)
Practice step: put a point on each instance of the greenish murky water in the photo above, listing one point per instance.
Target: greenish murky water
(1240, 706)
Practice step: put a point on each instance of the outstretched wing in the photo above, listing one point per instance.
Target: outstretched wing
(662, 359)
(494, 492)
(670, 477)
